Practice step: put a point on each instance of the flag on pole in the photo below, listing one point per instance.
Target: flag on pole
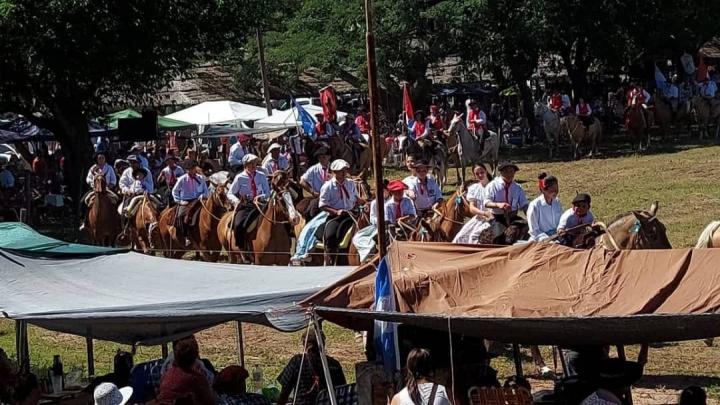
(329, 103)
(386, 339)
(407, 105)
(307, 121)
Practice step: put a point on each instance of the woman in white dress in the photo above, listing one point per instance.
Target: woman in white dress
(420, 389)
(544, 212)
(475, 197)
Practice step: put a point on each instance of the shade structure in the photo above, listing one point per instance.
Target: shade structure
(290, 118)
(163, 122)
(18, 129)
(539, 293)
(219, 112)
(131, 298)
(22, 239)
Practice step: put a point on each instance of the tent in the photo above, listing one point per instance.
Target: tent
(290, 118)
(130, 298)
(112, 120)
(219, 112)
(539, 293)
(20, 238)
(16, 128)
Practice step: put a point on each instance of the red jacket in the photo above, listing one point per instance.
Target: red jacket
(556, 102)
(180, 384)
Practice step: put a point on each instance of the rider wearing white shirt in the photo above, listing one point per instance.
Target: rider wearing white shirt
(313, 179)
(504, 196)
(237, 151)
(274, 161)
(247, 190)
(470, 231)
(422, 188)
(127, 179)
(544, 212)
(101, 167)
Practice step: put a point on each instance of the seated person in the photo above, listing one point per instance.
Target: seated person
(310, 379)
(544, 212)
(247, 190)
(188, 189)
(122, 366)
(398, 207)
(314, 178)
(504, 196)
(231, 388)
(365, 240)
(420, 387)
(274, 161)
(573, 219)
(423, 189)
(184, 380)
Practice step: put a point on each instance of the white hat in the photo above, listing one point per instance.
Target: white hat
(274, 146)
(110, 394)
(249, 158)
(136, 146)
(339, 164)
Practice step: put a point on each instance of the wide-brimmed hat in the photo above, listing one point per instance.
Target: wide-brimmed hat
(581, 197)
(121, 161)
(274, 146)
(339, 165)
(249, 158)
(420, 163)
(132, 158)
(136, 146)
(505, 165)
(170, 157)
(396, 185)
(321, 151)
(110, 394)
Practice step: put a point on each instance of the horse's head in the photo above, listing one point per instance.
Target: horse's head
(292, 214)
(280, 181)
(638, 230)
(219, 196)
(99, 183)
(362, 187)
(455, 123)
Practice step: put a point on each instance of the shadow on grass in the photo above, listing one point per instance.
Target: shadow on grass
(676, 381)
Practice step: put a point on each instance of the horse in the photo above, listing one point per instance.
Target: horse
(707, 112)
(103, 220)
(551, 125)
(710, 237)
(202, 236)
(272, 232)
(339, 149)
(450, 217)
(637, 126)
(436, 155)
(145, 233)
(574, 127)
(664, 116)
(468, 148)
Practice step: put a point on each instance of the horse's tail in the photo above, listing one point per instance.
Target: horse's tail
(705, 239)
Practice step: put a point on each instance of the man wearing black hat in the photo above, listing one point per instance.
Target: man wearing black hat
(187, 190)
(314, 178)
(573, 218)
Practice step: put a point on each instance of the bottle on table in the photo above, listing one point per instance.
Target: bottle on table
(257, 379)
(57, 375)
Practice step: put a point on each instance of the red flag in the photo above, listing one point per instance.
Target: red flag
(407, 103)
(702, 71)
(329, 103)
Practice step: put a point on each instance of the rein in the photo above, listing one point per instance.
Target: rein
(271, 202)
(202, 204)
(452, 220)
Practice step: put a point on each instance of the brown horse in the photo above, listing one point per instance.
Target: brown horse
(574, 128)
(202, 236)
(103, 220)
(144, 226)
(664, 117)
(450, 217)
(272, 233)
(707, 112)
(637, 126)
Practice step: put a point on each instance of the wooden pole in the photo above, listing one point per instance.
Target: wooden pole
(374, 135)
(240, 343)
(263, 71)
(90, 353)
(518, 360)
(21, 346)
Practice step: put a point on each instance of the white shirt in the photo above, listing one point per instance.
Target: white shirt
(543, 218)
(425, 389)
(7, 180)
(476, 193)
(242, 187)
(316, 176)
(127, 180)
(331, 195)
(495, 192)
(570, 220)
(237, 151)
(171, 176)
(406, 208)
(425, 194)
(271, 165)
(373, 212)
(108, 171)
(188, 189)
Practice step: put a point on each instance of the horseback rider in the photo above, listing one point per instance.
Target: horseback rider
(100, 167)
(470, 232)
(544, 212)
(584, 112)
(671, 94)
(436, 121)
(274, 161)
(477, 120)
(365, 239)
(363, 121)
(169, 175)
(314, 178)
(571, 221)
(249, 188)
(350, 133)
(186, 191)
(556, 101)
(399, 207)
(128, 186)
(420, 128)
(237, 151)
(423, 189)
(504, 196)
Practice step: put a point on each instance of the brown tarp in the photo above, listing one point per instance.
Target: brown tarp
(540, 293)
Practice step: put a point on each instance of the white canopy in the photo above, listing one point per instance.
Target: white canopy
(290, 118)
(219, 112)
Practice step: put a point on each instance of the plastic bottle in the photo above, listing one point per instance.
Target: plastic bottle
(257, 379)
(57, 375)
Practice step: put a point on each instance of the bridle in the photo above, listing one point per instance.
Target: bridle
(215, 197)
(459, 201)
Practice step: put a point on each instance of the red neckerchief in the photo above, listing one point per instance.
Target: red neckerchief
(324, 173)
(253, 186)
(507, 191)
(580, 219)
(423, 185)
(171, 180)
(344, 194)
(398, 212)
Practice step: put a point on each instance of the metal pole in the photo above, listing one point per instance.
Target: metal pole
(323, 359)
(21, 345)
(164, 350)
(240, 343)
(518, 360)
(263, 71)
(374, 135)
(90, 353)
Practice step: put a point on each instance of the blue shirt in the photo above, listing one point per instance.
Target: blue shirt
(188, 189)
(242, 187)
(499, 192)
(7, 180)
(338, 196)
(570, 220)
(406, 208)
(237, 151)
(316, 176)
(426, 193)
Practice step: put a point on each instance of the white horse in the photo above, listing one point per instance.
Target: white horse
(468, 147)
(551, 124)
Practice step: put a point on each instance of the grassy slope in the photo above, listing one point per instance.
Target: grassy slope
(685, 182)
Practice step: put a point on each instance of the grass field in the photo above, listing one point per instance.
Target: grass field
(684, 181)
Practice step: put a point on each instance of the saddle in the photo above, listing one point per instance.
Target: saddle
(344, 242)
(136, 201)
(187, 215)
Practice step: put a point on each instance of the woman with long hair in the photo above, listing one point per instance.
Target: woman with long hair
(544, 212)
(420, 388)
(475, 197)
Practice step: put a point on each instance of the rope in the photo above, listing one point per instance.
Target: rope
(609, 236)
(271, 220)
(302, 360)
(202, 204)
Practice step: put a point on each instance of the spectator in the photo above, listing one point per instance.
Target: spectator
(420, 389)
(27, 390)
(122, 365)
(231, 389)
(311, 376)
(185, 381)
(110, 394)
(693, 395)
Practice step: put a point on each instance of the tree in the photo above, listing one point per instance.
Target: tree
(67, 59)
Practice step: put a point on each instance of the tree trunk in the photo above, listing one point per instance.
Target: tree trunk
(527, 101)
(74, 138)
